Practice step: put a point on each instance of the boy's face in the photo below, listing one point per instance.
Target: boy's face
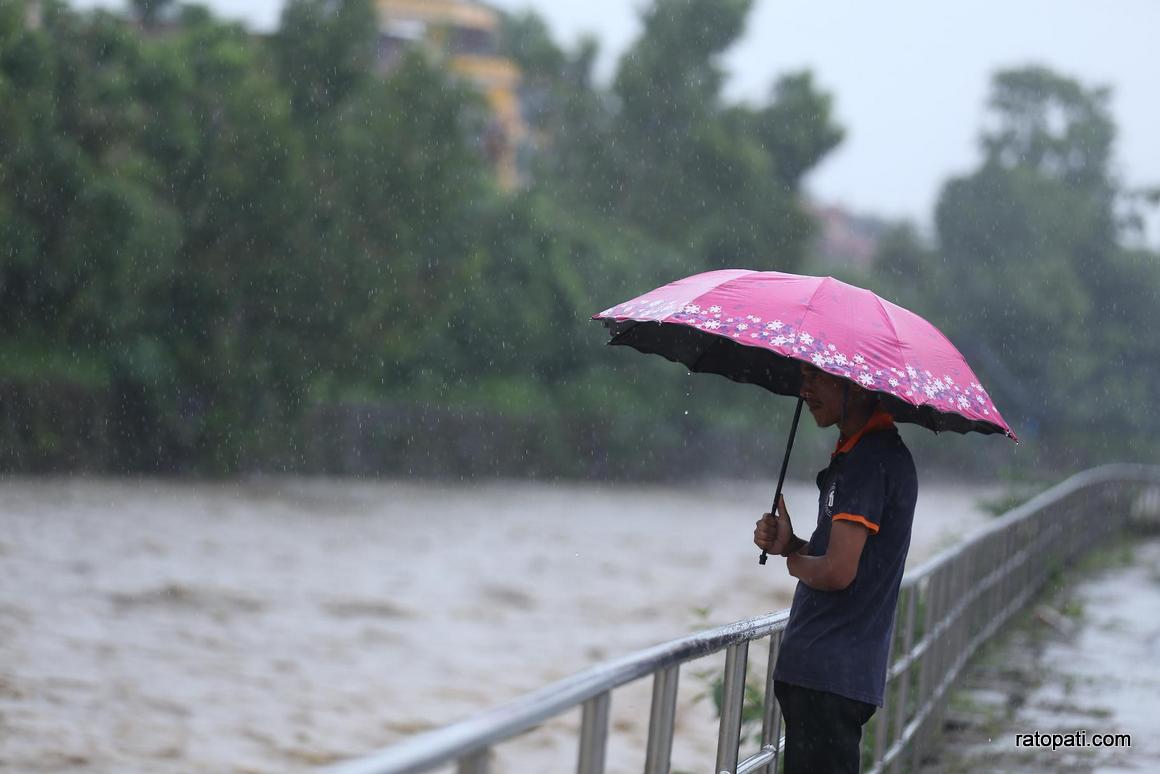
(823, 394)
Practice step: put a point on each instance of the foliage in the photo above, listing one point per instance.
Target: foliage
(325, 51)
(210, 242)
(211, 234)
(1040, 292)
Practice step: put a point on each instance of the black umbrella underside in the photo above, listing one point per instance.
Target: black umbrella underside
(703, 352)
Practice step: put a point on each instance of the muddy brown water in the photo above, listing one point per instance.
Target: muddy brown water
(278, 625)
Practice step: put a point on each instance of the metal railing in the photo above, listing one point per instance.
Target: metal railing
(947, 608)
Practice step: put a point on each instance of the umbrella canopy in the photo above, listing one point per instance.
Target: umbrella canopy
(758, 326)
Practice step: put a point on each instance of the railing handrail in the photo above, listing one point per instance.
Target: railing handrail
(444, 745)
(1045, 499)
(453, 742)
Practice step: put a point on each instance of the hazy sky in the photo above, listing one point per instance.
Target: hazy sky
(909, 76)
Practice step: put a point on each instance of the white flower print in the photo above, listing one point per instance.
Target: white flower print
(779, 340)
(743, 326)
(776, 325)
(893, 382)
(692, 309)
(711, 325)
(819, 360)
(865, 378)
(805, 338)
(840, 359)
(714, 309)
(859, 359)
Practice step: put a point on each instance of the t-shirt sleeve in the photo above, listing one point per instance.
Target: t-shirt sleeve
(860, 495)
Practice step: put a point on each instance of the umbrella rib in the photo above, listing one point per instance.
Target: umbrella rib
(810, 303)
(897, 338)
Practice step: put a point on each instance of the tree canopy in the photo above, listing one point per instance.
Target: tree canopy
(223, 252)
(1034, 274)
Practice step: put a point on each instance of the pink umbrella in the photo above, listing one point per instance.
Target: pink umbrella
(758, 326)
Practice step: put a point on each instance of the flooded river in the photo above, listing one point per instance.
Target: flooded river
(278, 625)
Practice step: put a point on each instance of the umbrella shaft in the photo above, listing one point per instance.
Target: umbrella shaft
(797, 414)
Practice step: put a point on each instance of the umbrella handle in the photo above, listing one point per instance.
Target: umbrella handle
(784, 464)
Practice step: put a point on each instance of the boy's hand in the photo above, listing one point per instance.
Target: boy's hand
(774, 533)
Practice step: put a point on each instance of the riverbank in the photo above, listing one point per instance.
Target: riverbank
(1072, 683)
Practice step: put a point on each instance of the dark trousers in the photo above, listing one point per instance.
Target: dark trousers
(823, 731)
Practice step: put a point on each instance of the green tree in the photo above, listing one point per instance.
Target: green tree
(91, 245)
(908, 267)
(718, 182)
(797, 128)
(398, 226)
(95, 241)
(1034, 278)
(245, 342)
(571, 120)
(325, 50)
(663, 154)
(671, 156)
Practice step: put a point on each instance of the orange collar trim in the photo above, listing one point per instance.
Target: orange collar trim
(879, 420)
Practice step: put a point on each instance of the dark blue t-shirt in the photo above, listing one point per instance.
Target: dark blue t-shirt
(839, 641)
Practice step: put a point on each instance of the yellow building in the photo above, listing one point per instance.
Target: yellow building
(465, 35)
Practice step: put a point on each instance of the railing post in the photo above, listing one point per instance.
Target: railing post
(882, 718)
(901, 695)
(732, 704)
(946, 600)
(771, 710)
(594, 734)
(658, 754)
(927, 675)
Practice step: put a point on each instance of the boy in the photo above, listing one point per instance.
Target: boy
(831, 670)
